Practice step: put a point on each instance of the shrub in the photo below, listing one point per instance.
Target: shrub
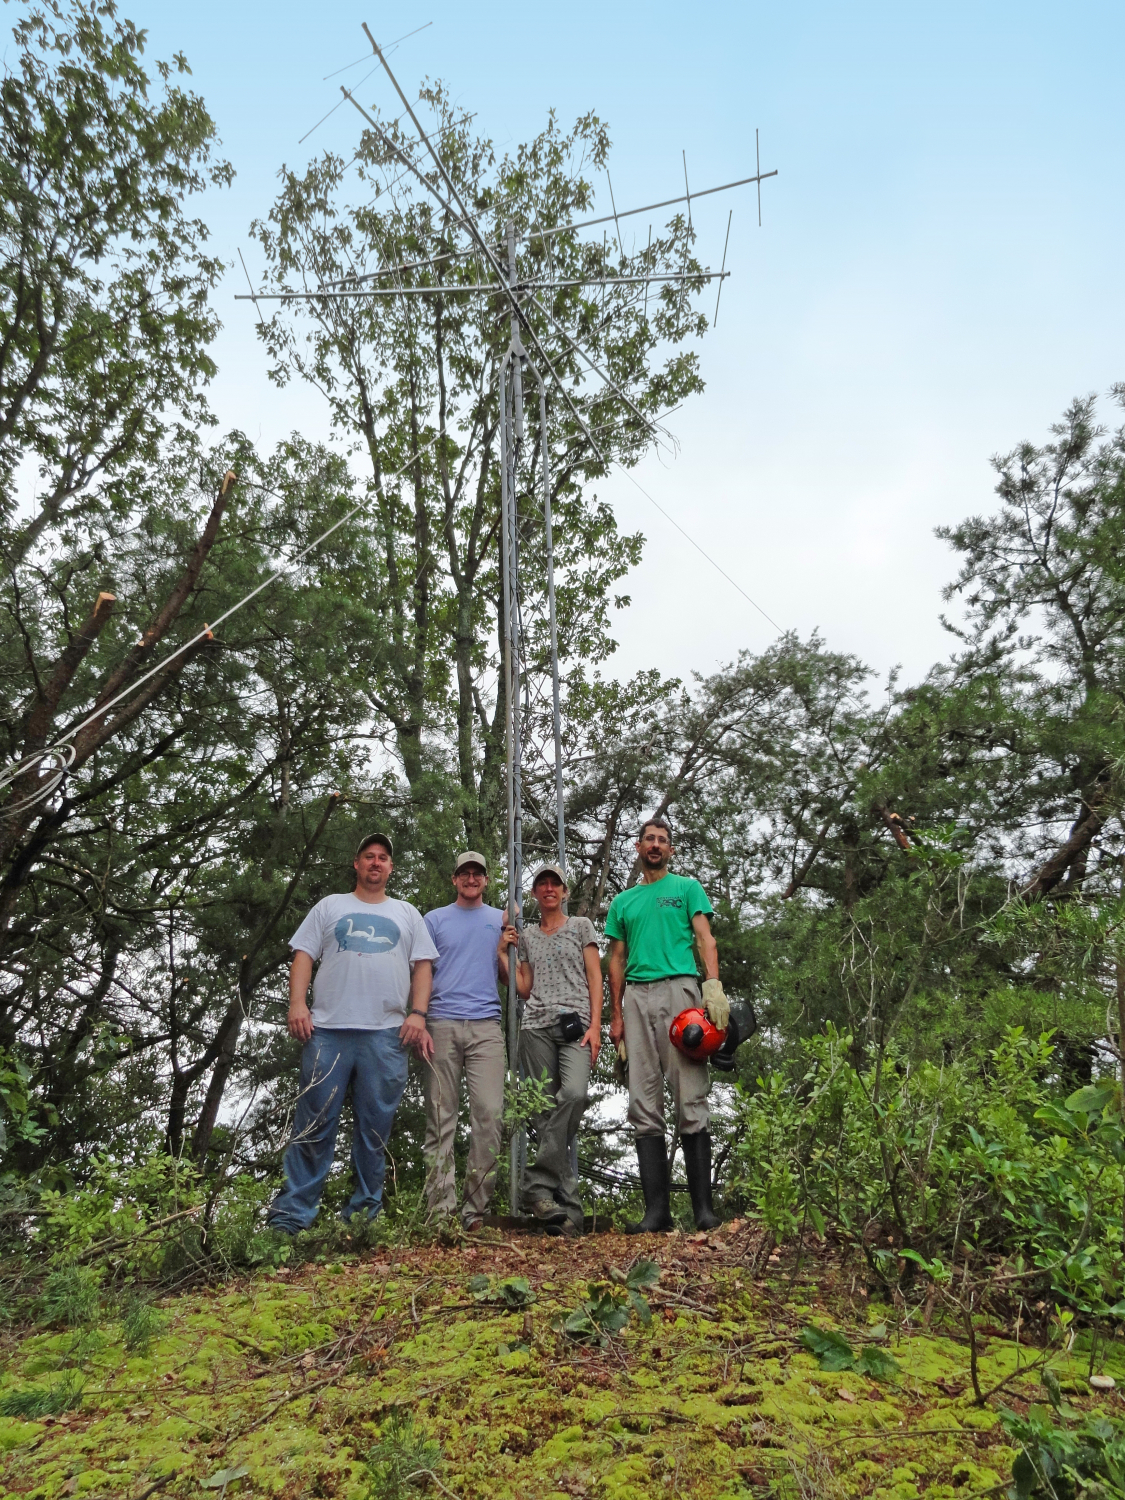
(942, 1156)
(141, 1212)
(1065, 1455)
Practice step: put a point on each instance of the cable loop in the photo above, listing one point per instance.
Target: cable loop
(55, 761)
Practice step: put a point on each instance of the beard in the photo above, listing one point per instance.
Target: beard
(655, 859)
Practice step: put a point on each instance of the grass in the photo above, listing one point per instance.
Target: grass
(380, 1374)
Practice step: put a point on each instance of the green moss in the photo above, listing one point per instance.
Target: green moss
(14, 1433)
(259, 1376)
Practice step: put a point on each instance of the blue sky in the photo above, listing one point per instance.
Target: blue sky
(938, 271)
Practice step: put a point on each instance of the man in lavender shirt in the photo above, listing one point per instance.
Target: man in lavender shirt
(464, 1023)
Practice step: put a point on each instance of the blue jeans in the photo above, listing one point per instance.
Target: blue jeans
(375, 1063)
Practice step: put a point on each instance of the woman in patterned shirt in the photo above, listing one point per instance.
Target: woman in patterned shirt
(559, 976)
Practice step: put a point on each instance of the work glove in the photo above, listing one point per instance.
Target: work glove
(621, 1064)
(715, 1003)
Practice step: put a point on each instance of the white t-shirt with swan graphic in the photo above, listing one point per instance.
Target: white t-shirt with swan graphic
(365, 950)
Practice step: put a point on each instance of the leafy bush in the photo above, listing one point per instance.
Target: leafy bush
(834, 1352)
(526, 1101)
(942, 1156)
(139, 1211)
(1073, 1458)
(152, 1217)
(610, 1304)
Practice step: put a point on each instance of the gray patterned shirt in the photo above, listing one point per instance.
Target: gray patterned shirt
(558, 981)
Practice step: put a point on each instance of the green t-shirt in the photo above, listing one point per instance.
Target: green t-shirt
(655, 922)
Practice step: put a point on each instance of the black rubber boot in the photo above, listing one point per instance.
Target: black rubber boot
(697, 1162)
(652, 1157)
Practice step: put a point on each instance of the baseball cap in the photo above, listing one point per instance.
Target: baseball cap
(471, 857)
(555, 870)
(376, 838)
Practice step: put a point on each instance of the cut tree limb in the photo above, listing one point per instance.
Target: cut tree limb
(168, 615)
(894, 823)
(43, 710)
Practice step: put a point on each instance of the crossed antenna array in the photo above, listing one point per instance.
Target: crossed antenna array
(521, 294)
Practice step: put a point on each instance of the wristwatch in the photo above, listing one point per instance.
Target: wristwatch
(422, 1013)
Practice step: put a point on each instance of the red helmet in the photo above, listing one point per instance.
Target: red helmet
(695, 1035)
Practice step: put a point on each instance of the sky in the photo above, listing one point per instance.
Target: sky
(937, 273)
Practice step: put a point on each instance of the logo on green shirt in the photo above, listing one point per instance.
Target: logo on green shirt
(654, 921)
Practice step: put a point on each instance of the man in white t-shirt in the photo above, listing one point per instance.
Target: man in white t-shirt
(376, 965)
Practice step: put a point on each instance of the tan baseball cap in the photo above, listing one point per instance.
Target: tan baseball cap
(470, 857)
(555, 870)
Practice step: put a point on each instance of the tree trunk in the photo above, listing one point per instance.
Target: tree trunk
(230, 1028)
(221, 1052)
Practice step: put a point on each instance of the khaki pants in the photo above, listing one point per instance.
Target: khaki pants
(649, 1010)
(475, 1049)
(567, 1065)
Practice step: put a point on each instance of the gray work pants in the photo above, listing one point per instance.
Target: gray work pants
(649, 1010)
(475, 1049)
(567, 1066)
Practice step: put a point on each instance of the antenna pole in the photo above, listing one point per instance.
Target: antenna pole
(511, 436)
(556, 710)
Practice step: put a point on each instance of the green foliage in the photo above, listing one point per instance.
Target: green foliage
(33, 1401)
(141, 1323)
(403, 1460)
(140, 1211)
(513, 1292)
(222, 1477)
(238, 1233)
(834, 1352)
(71, 1296)
(18, 1118)
(608, 1305)
(148, 1218)
(105, 324)
(525, 1101)
(944, 1155)
(1066, 1460)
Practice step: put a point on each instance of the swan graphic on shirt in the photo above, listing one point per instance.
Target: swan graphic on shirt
(364, 932)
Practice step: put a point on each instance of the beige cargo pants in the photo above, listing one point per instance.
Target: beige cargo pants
(474, 1049)
(649, 1010)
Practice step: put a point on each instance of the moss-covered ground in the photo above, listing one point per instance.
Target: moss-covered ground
(291, 1375)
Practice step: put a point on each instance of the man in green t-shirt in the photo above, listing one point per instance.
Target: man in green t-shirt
(652, 928)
